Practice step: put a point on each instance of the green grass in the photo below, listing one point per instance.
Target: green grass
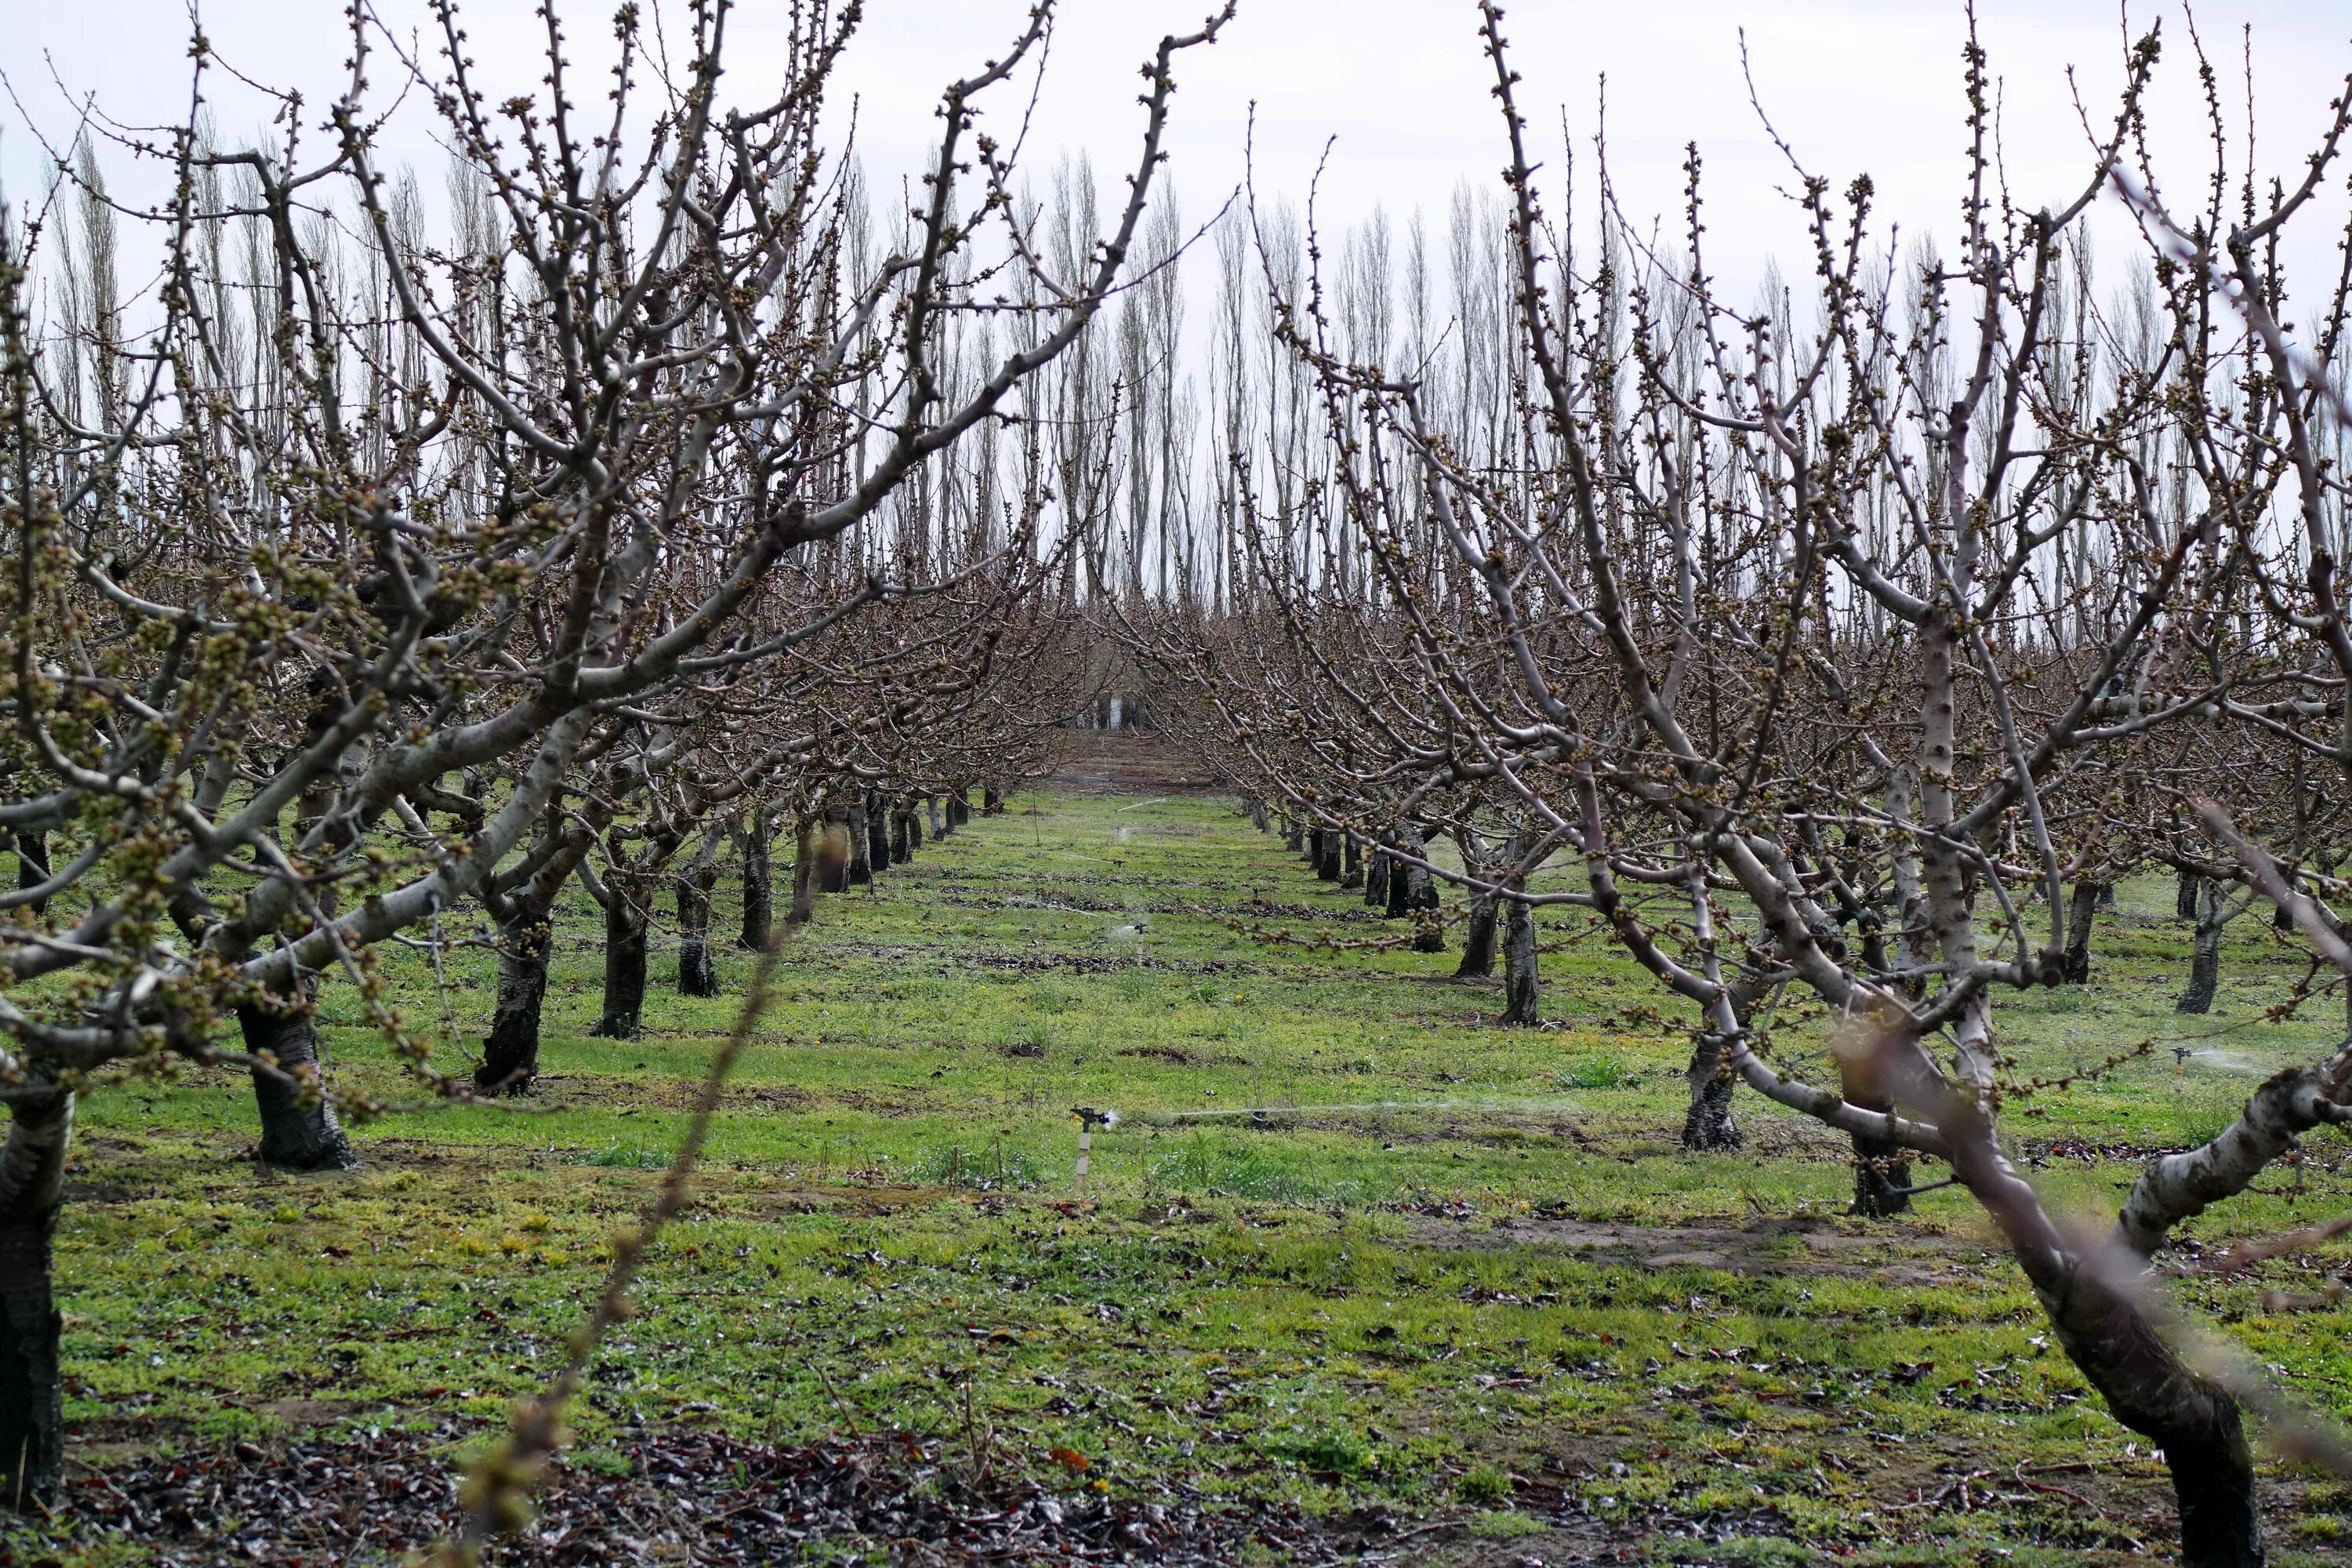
(1351, 1246)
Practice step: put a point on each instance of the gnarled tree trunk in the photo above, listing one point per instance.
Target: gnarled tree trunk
(299, 1131)
(32, 867)
(758, 884)
(2205, 952)
(902, 837)
(878, 836)
(510, 1053)
(1376, 879)
(628, 915)
(1327, 868)
(803, 908)
(2082, 909)
(1522, 991)
(32, 1389)
(860, 867)
(697, 976)
(1478, 941)
(1351, 871)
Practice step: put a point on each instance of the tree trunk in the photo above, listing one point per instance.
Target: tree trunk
(931, 809)
(1708, 1124)
(1522, 991)
(32, 867)
(1327, 869)
(991, 802)
(959, 806)
(1258, 816)
(861, 868)
(299, 1131)
(878, 836)
(1478, 943)
(1421, 894)
(915, 826)
(1294, 837)
(626, 920)
(759, 885)
(1881, 1171)
(2082, 909)
(1400, 891)
(2184, 896)
(32, 1391)
(1314, 853)
(695, 974)
(1376, 880)
(510, 1053)
(1351, 871)
(2205, 955)
(901, 837)
(803, 908)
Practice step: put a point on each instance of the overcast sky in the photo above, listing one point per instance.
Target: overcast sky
(1401, 84)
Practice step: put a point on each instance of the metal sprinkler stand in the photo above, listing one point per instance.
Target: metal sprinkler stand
(1089, 1119)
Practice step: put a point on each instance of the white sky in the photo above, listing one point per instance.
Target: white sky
(1402, 84)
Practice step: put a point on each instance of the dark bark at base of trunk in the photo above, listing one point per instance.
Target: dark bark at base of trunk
(1399, 893)
(299, 1131)
(1258, 816)
(695, 974)
(510, 1053)
(1478, 943)
(2081, 911)
(1708, 1125)
(625, 967)
(902, 840)
(2184, 897)
(877, 840)
(1327, 868)
(804, 875)
(1294, 837)
(31, 1388)
(931, 810)
(32, 1392)
(1522, 989)
(758, 890)
(1313, 854)
(1881, 1173)
(32, 867)
(991, 803)
(1351, 869)
(1376, 879)
(2204, 955)
(959, 808)
(861, 868)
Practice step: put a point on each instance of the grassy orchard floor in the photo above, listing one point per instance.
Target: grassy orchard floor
(1461, 1276)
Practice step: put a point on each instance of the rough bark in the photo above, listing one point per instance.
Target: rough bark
(759, 885)
(2184, 896)
(1708, 1125)
(1478, 941)
(915, 826)
(695, 974)
(1376, 879)
(860, 870)
(991, 802)
(1522, 991)
(1881, 1172)
(1352, 872)
(878, 836)
(2205, 952)
(1400, 891)
(32, 1391)
(1294, 837)
(1258, 816)
(901, 836)
(32, 867)
(1327, 869)
(510, 1053)
(803, 908)
(627, 916)
(2081, 911)
(931, 810)
(299, 1131)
